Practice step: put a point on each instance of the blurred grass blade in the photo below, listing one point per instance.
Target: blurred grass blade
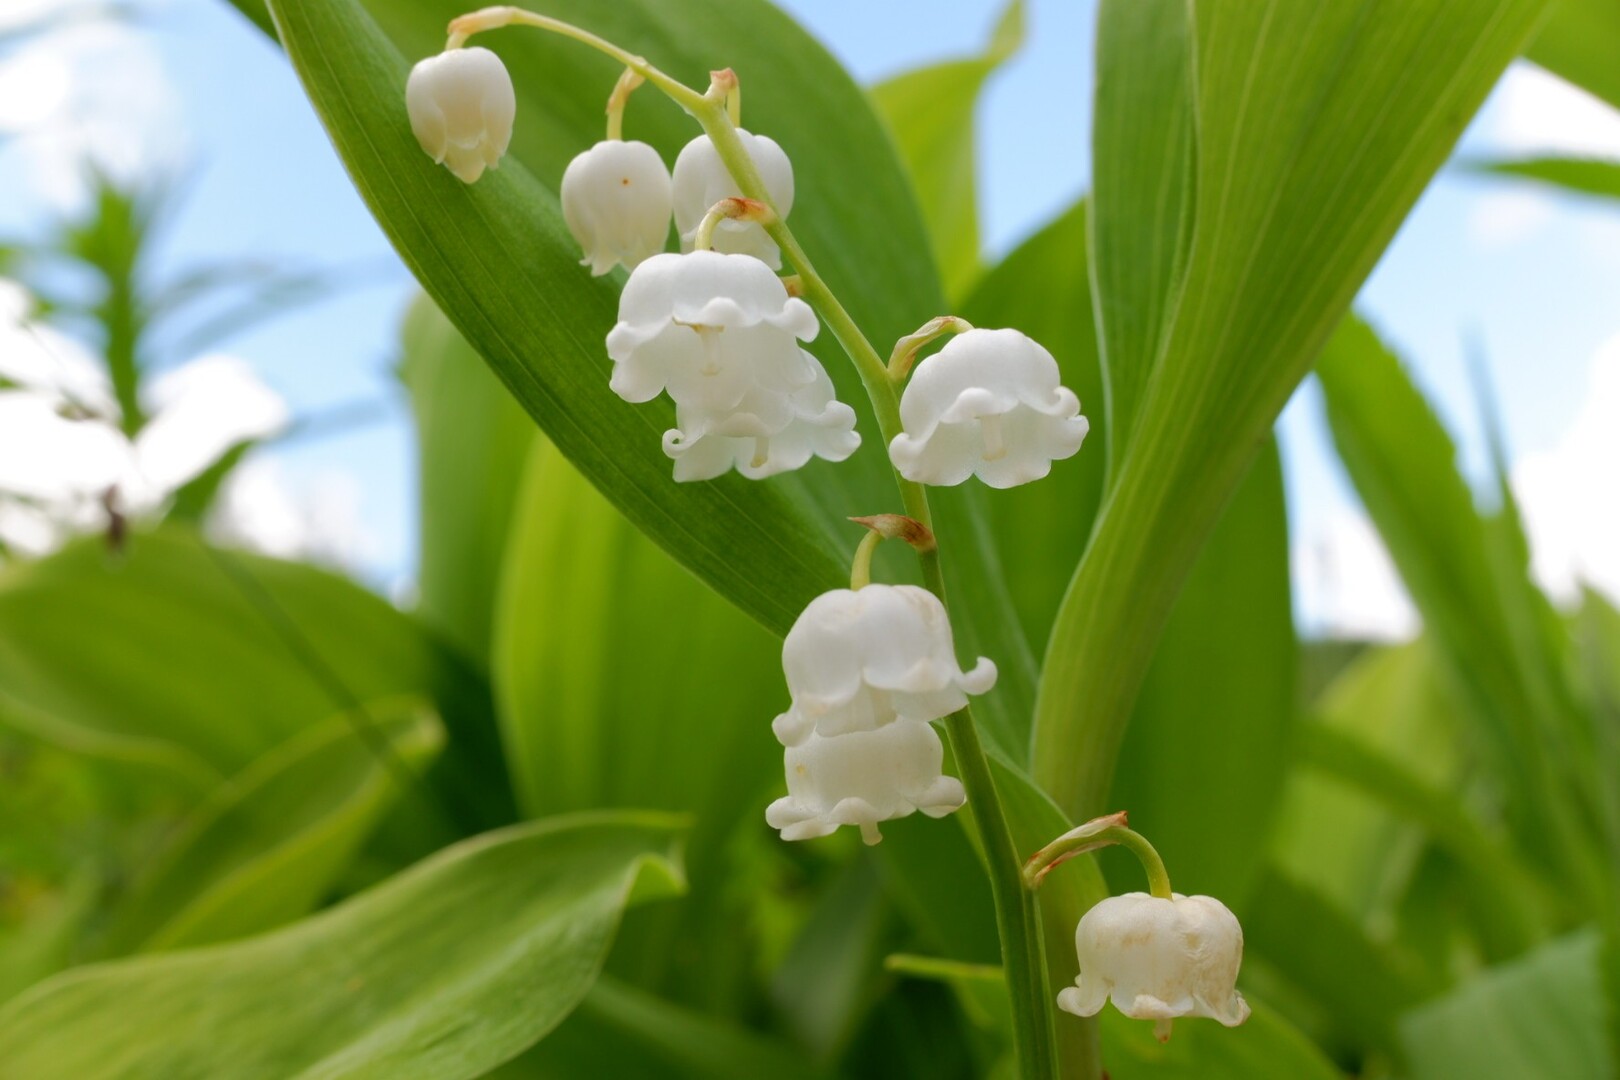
(1584, 176)
(473, 441)
(439, 973)
(1266, 1047)
(931, 115)
(270, 843)
(1403, 465)
(1579, 41)
(1318, 125)
(1541, 1016)
(1142, 193)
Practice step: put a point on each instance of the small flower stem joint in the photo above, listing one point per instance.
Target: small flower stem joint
(733, 209)
(794, 284)
(1094, 835)
(905, 352)
(885, 527)
(724, 86)
(618, 100)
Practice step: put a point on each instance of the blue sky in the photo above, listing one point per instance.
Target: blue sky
(1532, 279)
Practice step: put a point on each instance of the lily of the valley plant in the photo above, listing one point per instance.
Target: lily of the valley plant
(870, 669)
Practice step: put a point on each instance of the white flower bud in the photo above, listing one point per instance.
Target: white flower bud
(461, 105)
(616, 201)
(1159, 960)
(857, 660)
(701, 180)
(988, 404)
(861, 779)
(721, 335)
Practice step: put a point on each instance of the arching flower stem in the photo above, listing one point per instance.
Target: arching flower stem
(730, 210)
(1017, 917)
(1095, 834)
(618, 100)
(906, 349)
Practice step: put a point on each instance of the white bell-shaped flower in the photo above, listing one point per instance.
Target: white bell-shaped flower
(861, 779)
(755, 441)
(461, 104)
(701, 179)
(1159, 960)
(857, 660)
(988, 404)
(616, 201)
(720, 334)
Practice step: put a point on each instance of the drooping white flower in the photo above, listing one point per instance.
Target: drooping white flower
(720, 334)
(1159, 960)
(862, 778)
(857, 660)
(461, 104)
(988, 404)
(701, 179)
(616, 201)
(818, 425)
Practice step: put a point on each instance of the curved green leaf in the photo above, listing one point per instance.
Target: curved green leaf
(1579, 42)
(1318, 125)
(1584, 176)
(439, 973)
(269, 843)
(472, 442)
(930, 111)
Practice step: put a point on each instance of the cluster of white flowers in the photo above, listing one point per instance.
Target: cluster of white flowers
(868, 669)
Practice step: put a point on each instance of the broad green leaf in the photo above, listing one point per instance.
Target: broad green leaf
(266, 847)
(1475, 598)
(1142, 189)
(472, 440)
(624, 681)
(1585, 176)
(203, 659)
(498, 261)
(1318, 125)
(1539, 1016)
(1579, 41)
(439, 973)
(930, 112)
(1201, 771)
(620, 1031)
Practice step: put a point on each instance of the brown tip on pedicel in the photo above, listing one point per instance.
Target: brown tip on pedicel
(899, 527)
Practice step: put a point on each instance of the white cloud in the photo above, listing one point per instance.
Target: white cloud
(1500, 219)
(1538, 113)
(1570, 495)
(1345, 585)
(260, 509)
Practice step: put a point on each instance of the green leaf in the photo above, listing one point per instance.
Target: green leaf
(442, 972)
(1585, 176)
(473, 441)
(624, 681)
(202, 660)
(1579, 41)
(930, 111)
(269, 843)
(1142, 189)
(1540, 1016)
(1317, 128)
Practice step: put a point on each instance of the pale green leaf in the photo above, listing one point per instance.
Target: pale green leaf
(931, 113)
(1542, 1016)
(1584, 176)
(1579, 42)
(266, 847)
(472, 440)
(439, 973)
